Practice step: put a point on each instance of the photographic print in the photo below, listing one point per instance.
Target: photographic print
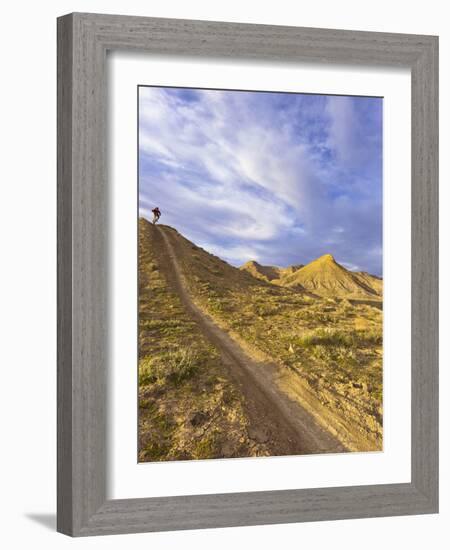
(260, 274)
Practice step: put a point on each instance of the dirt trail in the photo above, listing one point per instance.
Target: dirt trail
(274, 419)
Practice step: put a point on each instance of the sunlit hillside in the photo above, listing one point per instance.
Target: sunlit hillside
(319, 324)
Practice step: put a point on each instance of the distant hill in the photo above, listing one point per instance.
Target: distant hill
(269, 273)
(325, 276)
(263, 272)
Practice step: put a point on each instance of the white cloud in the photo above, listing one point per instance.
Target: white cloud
(231, 164)
(235, 255)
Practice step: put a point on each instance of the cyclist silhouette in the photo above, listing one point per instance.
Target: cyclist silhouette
(156, 214)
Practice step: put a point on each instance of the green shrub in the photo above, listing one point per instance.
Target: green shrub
(175, 366)
(326, 337)
(332, 337)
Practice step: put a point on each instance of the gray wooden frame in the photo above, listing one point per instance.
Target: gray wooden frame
(83, 40)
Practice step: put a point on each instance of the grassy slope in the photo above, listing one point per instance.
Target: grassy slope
(333, 345)
(188, 407)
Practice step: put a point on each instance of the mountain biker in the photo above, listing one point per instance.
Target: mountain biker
(156, 214)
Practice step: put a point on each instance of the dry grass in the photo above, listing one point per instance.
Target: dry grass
(333, 343)
(188, 406)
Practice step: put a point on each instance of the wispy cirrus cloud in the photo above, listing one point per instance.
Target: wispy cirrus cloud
(280, 178)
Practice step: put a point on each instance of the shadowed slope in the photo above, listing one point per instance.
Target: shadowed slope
(269, 273)
(264, 272)
(370, 280)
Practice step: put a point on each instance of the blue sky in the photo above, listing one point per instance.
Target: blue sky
(273, 177)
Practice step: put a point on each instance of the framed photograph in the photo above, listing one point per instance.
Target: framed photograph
(247, 274)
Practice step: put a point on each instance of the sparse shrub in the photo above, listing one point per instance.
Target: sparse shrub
(155, 450)
(264, 310)
(176, 367)
(326, 337)
(208, 446)
(372, 337)
(338, 338)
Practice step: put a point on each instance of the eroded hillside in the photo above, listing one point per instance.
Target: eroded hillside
(322, 277)
(269, 273)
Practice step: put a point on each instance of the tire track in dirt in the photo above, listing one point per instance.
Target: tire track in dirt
(274, 419)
